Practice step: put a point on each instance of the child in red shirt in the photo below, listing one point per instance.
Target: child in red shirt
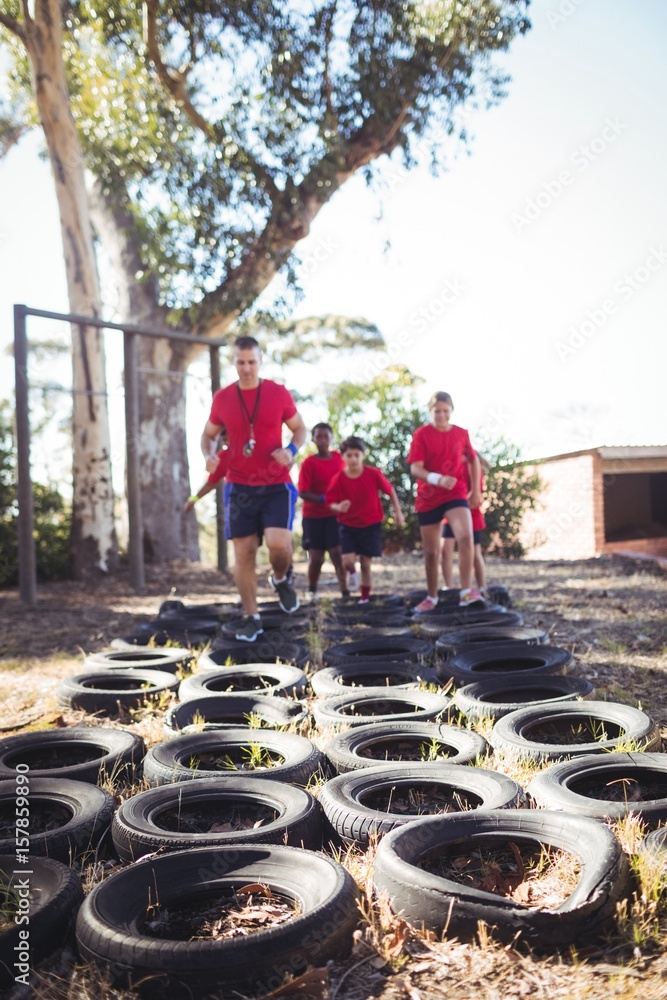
(320, 527)
(478, 525)
(353, 495)
(211, 482)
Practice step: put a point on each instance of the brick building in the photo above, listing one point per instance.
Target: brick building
(598, 501)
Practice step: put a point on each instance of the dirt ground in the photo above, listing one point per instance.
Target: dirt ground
(610, 613)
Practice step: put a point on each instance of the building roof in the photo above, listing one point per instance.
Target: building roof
(612, 452)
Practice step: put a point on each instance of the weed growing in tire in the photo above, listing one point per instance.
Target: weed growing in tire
(9, 906)
(640, 920)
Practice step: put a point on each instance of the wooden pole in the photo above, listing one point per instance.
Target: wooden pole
(136, 540)
(26, 537)
(223, 561)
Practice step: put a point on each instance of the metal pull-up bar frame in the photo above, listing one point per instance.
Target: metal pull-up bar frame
(26, 539)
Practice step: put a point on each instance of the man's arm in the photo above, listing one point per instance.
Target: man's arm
(209, 445)
(285, 456)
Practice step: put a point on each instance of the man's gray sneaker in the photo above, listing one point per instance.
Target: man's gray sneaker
(249, 629)
(287, 595)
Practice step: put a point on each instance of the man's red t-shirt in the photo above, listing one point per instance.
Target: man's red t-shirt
(366, 507)
(315, 475)
(444, 452)
(221, 471)
(275, 407)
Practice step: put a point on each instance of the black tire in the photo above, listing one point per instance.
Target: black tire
(67, 818)
(498, 594)
(377, 705)
(347, 800)
(369, 650)
(166, 659)
(446, 597)
(156, 637)
(55, 892)
(440, 904)
(146, 822)
(584, 786)
(209, 612)
(350, 633)
(378, 602)
(350, 677)
(510, 660)
(656, 842)
(181, 759)
(269, 647)
(251, 678)
(205, 626)
(106, 692)
(232, 711)
(78, 752)
(468, 640)
(433, 628)
(368, 746)
(492, 698)
(276, 621)
(513, 733)
(111, 923)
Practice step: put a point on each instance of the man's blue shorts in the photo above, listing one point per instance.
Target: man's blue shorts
(250, 510)
(366, 541)
(320, 533)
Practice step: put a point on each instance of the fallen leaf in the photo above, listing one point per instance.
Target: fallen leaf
(254, 889)
(394, 945)
(312, 983)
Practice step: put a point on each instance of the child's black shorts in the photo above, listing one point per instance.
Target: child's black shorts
(366, 541)
(320, 533)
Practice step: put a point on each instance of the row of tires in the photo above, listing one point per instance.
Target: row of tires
(356, 806)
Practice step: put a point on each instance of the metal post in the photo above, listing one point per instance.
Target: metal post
(223, 561)
(136, 540)
(27, 557)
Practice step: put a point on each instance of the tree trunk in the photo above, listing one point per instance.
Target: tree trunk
(93, 535)
(163, 458)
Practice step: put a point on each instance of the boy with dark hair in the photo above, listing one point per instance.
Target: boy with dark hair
(320, 527)
(353, 495)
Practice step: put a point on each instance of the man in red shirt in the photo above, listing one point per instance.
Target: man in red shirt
(438, 456)
(320, 527)
(353, 495)
(259, 494)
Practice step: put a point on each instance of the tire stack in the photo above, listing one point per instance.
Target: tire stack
(230, 800)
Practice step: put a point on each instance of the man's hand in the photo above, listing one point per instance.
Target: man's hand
(342, 507)
(282, 456)
(212, 463)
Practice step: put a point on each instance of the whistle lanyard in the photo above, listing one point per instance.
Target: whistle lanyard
(250, 417)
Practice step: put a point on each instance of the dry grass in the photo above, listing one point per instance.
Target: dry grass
(614, 621)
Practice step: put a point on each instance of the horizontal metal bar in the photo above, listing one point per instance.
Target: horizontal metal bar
(147, 331)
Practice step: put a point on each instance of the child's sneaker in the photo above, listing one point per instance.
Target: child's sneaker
(288, 599)
(469, 596)
(364, 600)
(353, 580)
(428, 604)
(249, 629)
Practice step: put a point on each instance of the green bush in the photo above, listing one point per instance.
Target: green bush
(52, 518)
(510, 489)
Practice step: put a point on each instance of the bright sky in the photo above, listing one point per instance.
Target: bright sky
(529, 281)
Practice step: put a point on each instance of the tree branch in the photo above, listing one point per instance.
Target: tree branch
(172, 79)
(11, 136)
(12, 25)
